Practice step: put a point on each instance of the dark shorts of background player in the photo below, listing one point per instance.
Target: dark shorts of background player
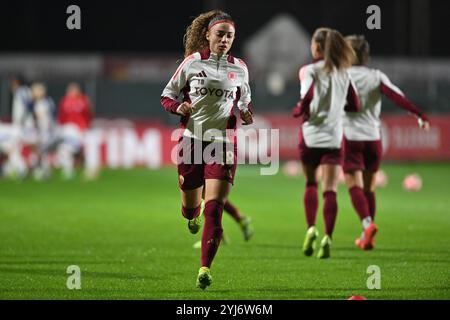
(192, 176)
(362, 155)
(317, 156)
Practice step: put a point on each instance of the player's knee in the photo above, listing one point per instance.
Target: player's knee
(219, 198)
(311, 176)
(190, 213)
(350, 179)
(330, 185)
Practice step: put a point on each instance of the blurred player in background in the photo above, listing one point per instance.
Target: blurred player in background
(22, 132)
(44, 112)
(12, 165)
(362, 131)
(208, 66)
(244, 222)
(74, 118)
(325, 90)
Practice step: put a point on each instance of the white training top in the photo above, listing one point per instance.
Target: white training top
(213, 86)
(370, 85)
(366, 125)
(22, 116)
(323, 127)
(44, 110)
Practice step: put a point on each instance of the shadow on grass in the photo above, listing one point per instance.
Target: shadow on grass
(279, 246)
(339, 293)
(85, 274)
(65, 262)
(397, 250)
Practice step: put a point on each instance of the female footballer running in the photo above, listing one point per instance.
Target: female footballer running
(362, 136)
(212, 83)
(326, 91)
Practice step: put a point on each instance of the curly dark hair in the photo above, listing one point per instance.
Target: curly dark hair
(195, 37)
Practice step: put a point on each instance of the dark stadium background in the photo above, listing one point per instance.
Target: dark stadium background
(409, 27)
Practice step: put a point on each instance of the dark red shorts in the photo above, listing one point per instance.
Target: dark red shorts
(194, 169)
(362, 155)
(317, 156)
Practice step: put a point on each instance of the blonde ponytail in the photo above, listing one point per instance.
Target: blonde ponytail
(336, 51)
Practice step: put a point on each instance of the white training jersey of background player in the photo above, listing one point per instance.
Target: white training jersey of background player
(44, 110)
(9, 137)
(366, 124)
(214, 86)
(324, 128)
(22, 116)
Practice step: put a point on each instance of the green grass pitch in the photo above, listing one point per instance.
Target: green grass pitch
(126, 233)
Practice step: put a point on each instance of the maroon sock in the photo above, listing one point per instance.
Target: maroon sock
(371, 201)
(232, 210)
(311, 203)
(359, 202)
(329, 211)
(190, 213)
(212, 232)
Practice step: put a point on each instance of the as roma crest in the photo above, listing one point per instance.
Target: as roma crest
(232, 76)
